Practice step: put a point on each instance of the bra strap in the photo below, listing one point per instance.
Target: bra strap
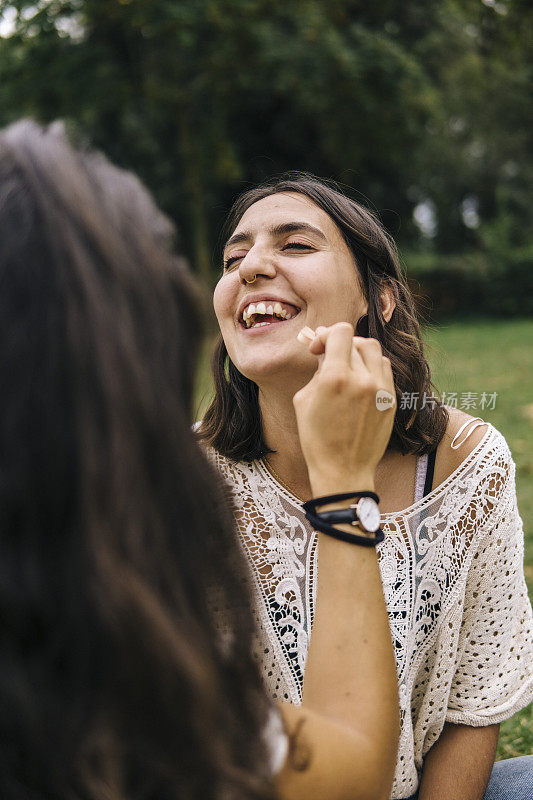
(429, 472)
(420, 477)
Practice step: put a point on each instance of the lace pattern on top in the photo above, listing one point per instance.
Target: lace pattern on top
(452, 573)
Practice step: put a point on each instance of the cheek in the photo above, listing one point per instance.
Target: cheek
(332, 285)
(223, 300)
(346, 288)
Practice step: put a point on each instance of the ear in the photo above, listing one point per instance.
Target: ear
(388, 303)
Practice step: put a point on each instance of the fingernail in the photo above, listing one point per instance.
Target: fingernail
(307, 334)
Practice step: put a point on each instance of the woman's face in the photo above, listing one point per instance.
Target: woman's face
(305, 275)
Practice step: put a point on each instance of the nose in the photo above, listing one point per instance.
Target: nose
(256, 264)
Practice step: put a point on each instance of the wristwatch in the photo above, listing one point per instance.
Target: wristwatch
(364, 513)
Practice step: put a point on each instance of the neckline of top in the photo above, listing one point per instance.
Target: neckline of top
(414, 506)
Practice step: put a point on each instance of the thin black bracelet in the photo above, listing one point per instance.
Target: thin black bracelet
(311, 505)
(353, 538)
(325, 527)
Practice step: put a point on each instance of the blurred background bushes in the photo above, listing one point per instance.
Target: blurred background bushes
(420, 109)
(472, 283)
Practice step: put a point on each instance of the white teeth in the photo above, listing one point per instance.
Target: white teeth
(260, 324)
(274, 309)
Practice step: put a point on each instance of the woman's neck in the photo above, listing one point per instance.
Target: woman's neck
(280, 433)
(394, 474)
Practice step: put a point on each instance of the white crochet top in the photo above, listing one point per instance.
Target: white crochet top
(452, 571)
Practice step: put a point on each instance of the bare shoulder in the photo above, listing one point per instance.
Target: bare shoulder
(448, 458)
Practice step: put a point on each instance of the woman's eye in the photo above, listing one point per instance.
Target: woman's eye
(296, 246)
(232, 262)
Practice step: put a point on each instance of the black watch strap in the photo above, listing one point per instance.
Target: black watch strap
(325, 520)
(324, 527)
(340, 516)
(311, 505)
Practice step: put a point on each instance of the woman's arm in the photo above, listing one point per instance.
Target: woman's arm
(460, 763)
(343, 739)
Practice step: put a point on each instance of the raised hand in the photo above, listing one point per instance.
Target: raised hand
(346, 412)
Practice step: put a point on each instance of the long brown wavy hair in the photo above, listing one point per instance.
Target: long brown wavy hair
(232, 423)
(118, 556)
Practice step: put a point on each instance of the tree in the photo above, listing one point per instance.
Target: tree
(401, 101)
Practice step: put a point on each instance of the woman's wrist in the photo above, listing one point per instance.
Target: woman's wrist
(323, 484)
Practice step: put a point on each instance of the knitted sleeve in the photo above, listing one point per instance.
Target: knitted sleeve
(494, 677)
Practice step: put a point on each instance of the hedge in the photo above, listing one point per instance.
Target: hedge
(472, 284)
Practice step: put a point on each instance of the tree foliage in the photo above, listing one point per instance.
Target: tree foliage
(404, 103)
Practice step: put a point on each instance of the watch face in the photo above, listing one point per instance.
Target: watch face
(368, 514)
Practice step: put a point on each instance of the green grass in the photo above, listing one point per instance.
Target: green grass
(516, 735)
(497, 356)
(494, 356)
(482, 356)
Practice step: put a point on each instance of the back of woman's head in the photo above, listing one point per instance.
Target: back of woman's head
(117, 546)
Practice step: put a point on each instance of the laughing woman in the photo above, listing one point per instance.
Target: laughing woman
(300, 253)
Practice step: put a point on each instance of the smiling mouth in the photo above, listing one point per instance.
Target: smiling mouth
(258, 315)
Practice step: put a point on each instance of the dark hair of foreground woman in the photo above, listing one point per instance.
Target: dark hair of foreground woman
(114, 680)
(232, 423)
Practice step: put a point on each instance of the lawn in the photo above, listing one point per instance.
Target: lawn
(494, 357)
(497, 356)
(484, 357)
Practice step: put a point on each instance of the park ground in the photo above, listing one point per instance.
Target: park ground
(497, 356)
(472, 358)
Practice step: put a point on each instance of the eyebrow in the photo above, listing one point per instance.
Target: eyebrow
(278, 230)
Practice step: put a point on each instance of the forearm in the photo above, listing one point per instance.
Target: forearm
(459, 764)
(350, 680)
(350, 672)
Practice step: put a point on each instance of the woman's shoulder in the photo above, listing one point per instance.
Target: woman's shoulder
(462, 445)
(464, 433)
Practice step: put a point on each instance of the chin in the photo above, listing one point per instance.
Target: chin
(287, 370)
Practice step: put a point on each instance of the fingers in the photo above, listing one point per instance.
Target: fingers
(370, 352)
(388, 375)
(341, 346)
(335, 343)
(338, 350)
